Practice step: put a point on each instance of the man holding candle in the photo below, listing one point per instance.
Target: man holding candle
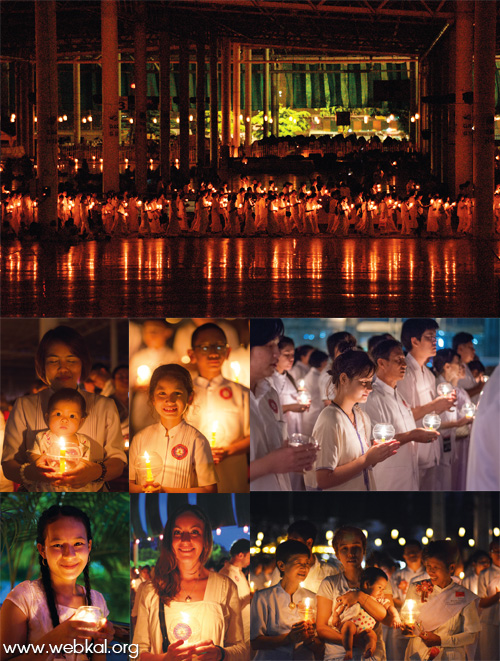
(386, 405)
(463, 344)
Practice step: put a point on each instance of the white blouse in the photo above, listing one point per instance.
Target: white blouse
(216, 618)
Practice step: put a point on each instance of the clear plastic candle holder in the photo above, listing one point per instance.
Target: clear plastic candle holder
(383, 431)
(91, 617)
(445, 389)
(185, 627)
(468, 410)
(307, 610)
(148, 468)
(297, 440)
(66, 455)
(431, 422)
(303, 397)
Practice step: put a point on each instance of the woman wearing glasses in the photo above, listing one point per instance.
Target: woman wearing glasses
(346, 456)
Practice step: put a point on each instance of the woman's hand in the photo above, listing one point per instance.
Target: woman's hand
(444, 402)
(153, 487)
(430, 639)
(349, 598)
(219, 454)
(295, 408)
(464, 421)
(294, 459)
(106, 632)
(209, 651)
(41, 471)
(179, 652)
(381, 451)
(424, 436)
(407, 629)
(69, 631)
(299, 632)
(83, 474)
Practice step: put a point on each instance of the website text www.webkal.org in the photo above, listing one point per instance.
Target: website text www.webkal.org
(86, 647)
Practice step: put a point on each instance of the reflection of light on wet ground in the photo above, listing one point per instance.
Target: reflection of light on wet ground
(291, 276)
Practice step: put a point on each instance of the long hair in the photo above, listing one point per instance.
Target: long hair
(167, 579)
(49, 516)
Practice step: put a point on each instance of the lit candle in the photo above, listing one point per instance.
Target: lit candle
(301, 385)
(306, 612)
(411, 605)
(214, 433)
(62, 459)
(149, 472)
(252, 587)
(143, 375)
(235, 366)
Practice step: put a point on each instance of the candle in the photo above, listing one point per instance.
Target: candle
(213, 440)
(468, 410)
(431, 421)
(383, 432)
(235, 366)
(143, 375)
(301, 385)
(252, 587)
(91, 616)
(303, 398)
(62, 459)
(306, 612)
(149, 472)
(411, 604)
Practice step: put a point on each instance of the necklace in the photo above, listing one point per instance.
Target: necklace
(291, 605)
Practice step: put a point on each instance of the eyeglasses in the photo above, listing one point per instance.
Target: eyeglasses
(207, 348)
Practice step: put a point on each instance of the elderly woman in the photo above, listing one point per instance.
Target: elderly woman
(188, 611)
(62, 361)
(349, 544)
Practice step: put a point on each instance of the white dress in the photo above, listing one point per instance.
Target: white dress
(216, 618)
(340, 443)
(184, 451)
(29, 597)
(489, 637)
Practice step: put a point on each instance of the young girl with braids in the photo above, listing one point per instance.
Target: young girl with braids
(42, 612)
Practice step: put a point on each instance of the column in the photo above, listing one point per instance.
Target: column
(265, 93)
(110, 126)
(46, 100)
(165, 107)
(226, 100)
(464, 28)
(248, 101)
(77, 112)
(214, 105)
(484, 116)
(140, 79)
(184, 107)
(274, 100)
(236, 98)
(200, 104)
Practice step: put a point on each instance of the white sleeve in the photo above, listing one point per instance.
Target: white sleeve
(203, 462)
(327, 436)
(234, 645)
(471, 627)
(113, 442)
(22, 597)
(132, 456)
(14, 446)
(259, 610)
(142, 636)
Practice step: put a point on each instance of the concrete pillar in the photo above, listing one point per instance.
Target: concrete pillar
(248, 101)
(484, 116)
(464, 28)
(77, 111)
(274, 101)
(482, 519)
(226, 102)
(24, 114)
(165, 107)
(236, 98)
(200, 104)
(438, 514)
(46, 101)
(140, 79)
(214, 106)
(184, 107)
(265, 93)
(110, 126)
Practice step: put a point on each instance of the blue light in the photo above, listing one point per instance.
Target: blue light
(474, 341)
(322, 335)
(306, 336)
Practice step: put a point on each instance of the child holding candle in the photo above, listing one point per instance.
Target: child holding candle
(280, 628)
(42, 612)
(188, 465)
(221, 408)
(352, 620)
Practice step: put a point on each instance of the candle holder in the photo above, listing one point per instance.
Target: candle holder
(148, 469)
(63, 457)
(184, 627)
(307, 610)
(91, 617)
(383, 431)
(303, 397)
(468, 410)
(432, 422)
(143, 372)
(410, 613)
(297, 440)
(445, 389)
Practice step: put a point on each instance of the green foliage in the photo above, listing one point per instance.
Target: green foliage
(109, 516)
(292, 122)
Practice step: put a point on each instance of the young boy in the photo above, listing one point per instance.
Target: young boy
(279, 629)
(448, 620)
(220, 409)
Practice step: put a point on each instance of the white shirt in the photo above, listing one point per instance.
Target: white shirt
(418, 387)
(483, 471)
(488, 584)
(240, 580)
(401, 579)
(469, 382)
(340, 443)
(288, 394)
(318, 571)
(299, 371)
(312, 385)
(266, 435)
(399, 472)
(326, 387)
(184, 452)
(270, 615)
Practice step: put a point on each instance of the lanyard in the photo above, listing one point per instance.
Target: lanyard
(365, 472)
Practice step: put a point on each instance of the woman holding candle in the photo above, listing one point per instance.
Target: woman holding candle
(287, 390)
(343, 431)
(44, 611)
(63, 361)
(187, 464)
(188, 611)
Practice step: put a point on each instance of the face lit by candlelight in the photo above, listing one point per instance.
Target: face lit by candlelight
(264, 359)
(62, 367)
(210, 352)
(439, 573)
(187, 537)
(378, 588)
(285, 361)
(65, 419)
(350, 550)
(395, 367)
(427, 345)
(356, 389)
(66, 548)
(171, 399)
(296, 568)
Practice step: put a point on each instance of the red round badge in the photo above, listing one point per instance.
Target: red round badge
(179, 451)
(273, 405)
(226, 393)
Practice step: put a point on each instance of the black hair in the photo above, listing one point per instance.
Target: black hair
(305, 529)
(416, 327)
(444, 550)
(67, 394)
(413, 542)
(303, 350)
(348, 530)
(204, 327)
(317, 358)
(383, 349)
(99, 366)
(47, 517)
(340, 341)
(369, 576)
(443, 357)
(476, 365)
(171, 371)
(461, 338)
(117, 369)
(354, 363)
(375, 339)
(263, 331)
(239, 546)
(288, 549)
(285, 342)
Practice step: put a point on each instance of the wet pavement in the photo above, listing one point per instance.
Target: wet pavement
(254, 276)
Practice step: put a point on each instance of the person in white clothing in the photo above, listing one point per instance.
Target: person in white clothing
(318, 362)
(489, 593)
(240, 559)
(385, 405)
(478, 562)
(336, 344)
(187, 610)
(343, 430)
(101, 378)
(171, 456)
(286, 387)
(220, 409)
(463, 344)
(301, 365)
(448, 619)
(270, 459)
(418, 389)
(42, 612)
